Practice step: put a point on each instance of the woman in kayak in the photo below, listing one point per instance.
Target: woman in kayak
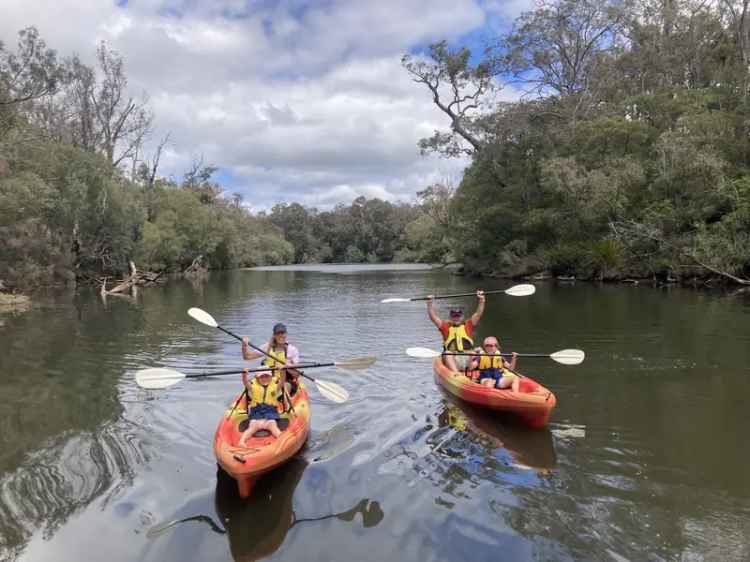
(264, 396)
(281, 352)
(494, 370)
(457, 333)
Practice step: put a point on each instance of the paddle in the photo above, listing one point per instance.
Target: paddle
(160, 377)
(564, 356)
(515, 291)
(330, 390)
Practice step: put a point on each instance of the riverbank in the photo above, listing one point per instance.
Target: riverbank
(687, 276)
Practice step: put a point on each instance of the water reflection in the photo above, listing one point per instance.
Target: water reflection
(56, 482)
(530, 448)
(257, 526)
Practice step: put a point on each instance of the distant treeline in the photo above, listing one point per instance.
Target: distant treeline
(628, 154)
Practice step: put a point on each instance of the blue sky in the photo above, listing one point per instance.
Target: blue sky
(293, 101)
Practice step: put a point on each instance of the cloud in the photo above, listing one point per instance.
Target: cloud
(292, 100)
(509, 9)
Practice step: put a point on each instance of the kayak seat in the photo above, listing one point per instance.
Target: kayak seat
(283, 423)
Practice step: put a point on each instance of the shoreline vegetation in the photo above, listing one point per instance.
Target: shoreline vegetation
(627, 160)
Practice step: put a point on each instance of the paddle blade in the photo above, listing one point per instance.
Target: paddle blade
(422, 352)
(569, 356)
(384, 301)
(521, 290)
(357, 363)
(154, 379)
(203, 317)
(332, 391)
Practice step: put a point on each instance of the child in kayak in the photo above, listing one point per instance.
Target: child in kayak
(264, 396)
(495, 372)
(457, 333)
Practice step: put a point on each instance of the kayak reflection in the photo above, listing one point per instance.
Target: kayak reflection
(257, 526)
(530, 448)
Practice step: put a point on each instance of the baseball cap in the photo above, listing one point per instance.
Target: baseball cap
(279, 328)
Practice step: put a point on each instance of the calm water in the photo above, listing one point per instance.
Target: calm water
(645, 458)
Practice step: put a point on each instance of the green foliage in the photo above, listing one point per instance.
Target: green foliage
(633, 159)
(368, 230)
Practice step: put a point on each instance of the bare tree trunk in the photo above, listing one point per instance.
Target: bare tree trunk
(127, 283)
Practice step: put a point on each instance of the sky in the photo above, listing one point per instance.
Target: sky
(292, 100)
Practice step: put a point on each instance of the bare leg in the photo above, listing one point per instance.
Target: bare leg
(273, 427)
(516, 384)
(252, 427)
(504, 382)
(450, 362)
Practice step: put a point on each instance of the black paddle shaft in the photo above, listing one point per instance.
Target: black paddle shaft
(502, 354)
(259, 350)
(457, 295)
(237, 372)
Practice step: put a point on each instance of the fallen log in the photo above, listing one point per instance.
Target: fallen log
(196, 268)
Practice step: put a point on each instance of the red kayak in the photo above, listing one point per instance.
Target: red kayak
(532, 404)
(263, 452)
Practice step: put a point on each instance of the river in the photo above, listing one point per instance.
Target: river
(644, 457)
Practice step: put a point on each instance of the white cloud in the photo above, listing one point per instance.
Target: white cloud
(510, 9)
(295, 102)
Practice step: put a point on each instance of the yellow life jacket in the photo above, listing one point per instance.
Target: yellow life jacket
(279, 358)
(259, 394)
(495, 362)
(458, 339)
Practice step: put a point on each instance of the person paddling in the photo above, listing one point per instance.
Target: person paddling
(495, 372)
(458, 334)
(283, 353)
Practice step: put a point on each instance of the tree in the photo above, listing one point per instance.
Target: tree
(467, 86)
(122, 122)
(296, 222)
(555, 49)
(30, 73)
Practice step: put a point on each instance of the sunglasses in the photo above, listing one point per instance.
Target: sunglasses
(491, 345)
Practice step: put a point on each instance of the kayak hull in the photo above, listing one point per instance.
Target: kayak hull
(532, 405)
(261, 454)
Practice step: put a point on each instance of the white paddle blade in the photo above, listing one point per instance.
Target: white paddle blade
(521, 290)
(154, 379)
(422, 353)
(356, 363)
(385, 301)
(203, 317)
(569, 356)
(332, 391)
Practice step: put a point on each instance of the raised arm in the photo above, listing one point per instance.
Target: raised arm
(432, 314)
(513, 360)
(245, 381)
(480, 308)
(247, 354)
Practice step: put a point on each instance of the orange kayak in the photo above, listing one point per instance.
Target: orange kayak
(262, 453)
(532, 404)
